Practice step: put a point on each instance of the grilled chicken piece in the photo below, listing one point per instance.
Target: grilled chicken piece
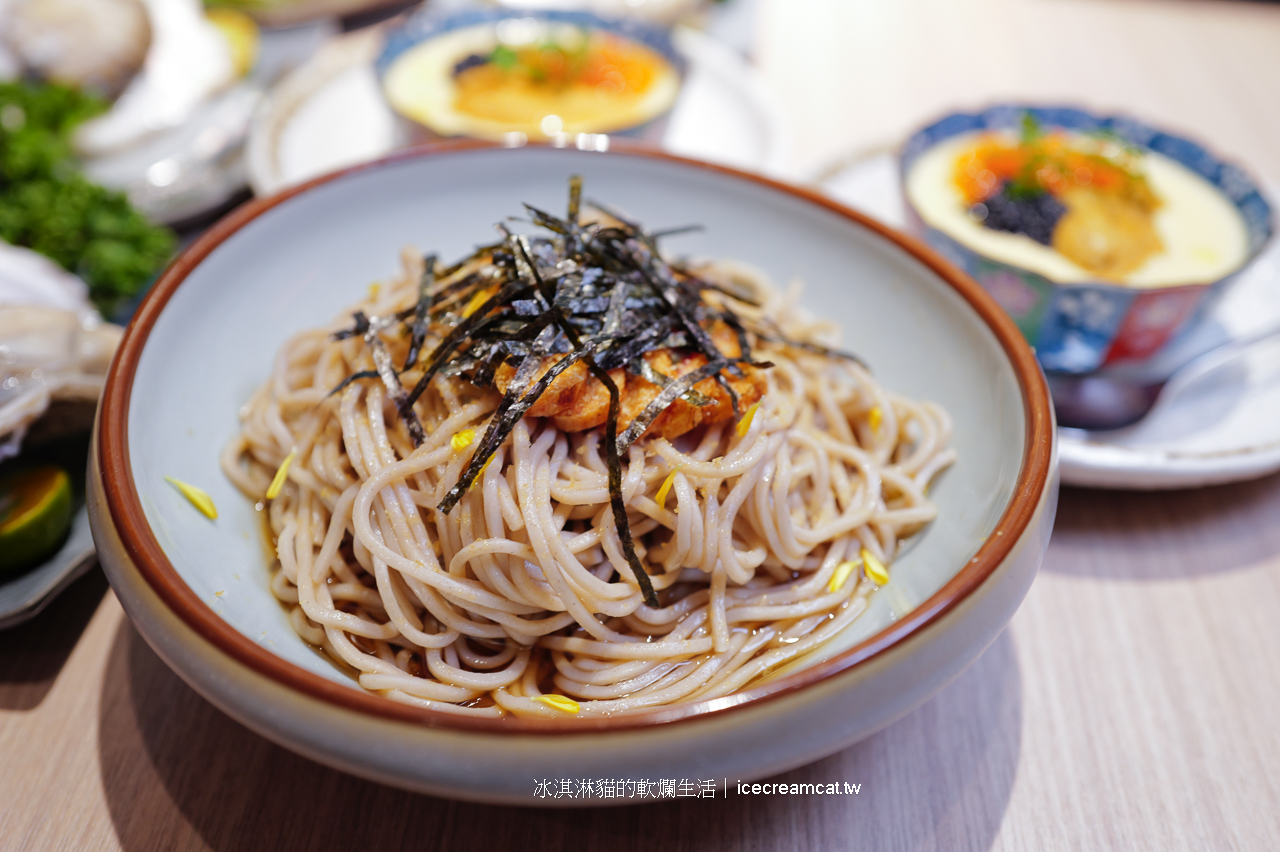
(577, 401)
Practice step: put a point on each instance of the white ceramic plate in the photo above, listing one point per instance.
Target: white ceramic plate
(1222, 428)
(330, 113)
(205, 338)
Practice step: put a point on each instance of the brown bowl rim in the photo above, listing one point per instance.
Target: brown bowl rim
(148, 557)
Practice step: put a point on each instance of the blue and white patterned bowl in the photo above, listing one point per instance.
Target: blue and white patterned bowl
(1081, 327)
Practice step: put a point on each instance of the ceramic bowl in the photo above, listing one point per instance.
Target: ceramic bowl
(205, 338)
(1081, 327)
(426, 25)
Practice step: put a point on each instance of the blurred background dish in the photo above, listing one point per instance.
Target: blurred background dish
(665, 12)
(172, 138)
(94, 44)
(188, 60)
(54, 352)
(330, 113)
(291, 13)
(48, 205)
(179, 82)
(1225, 427)
(53, 369)
(326, 114)
(171, 77)
(501, 74)
(184, 80)
(69, 248)
(1102, 237)
(23, 596)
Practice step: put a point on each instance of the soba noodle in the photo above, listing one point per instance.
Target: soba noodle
(521, 595)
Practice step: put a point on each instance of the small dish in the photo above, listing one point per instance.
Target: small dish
(24, 595)
(657, 11)
(295, 13)
(198, 590)
(495, 73)
(1218, 431)
(1078, 322)
(329, 113)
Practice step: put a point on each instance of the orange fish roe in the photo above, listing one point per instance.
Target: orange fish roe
(618, 65)
(1048, 163)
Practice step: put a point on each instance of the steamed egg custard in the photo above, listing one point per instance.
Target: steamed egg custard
(1077, 208)
(530, 76)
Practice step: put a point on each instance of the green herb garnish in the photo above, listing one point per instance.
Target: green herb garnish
(504, 57)
(549, 60)
(1031, 130)
(47, 205)
(1027, 183)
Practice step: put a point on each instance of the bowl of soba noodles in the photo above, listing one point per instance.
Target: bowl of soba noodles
(476, 469)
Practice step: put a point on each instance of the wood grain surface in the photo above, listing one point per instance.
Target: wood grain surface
(857, 75)
(1132, 704)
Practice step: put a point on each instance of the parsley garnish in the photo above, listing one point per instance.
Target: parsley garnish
(47, 205)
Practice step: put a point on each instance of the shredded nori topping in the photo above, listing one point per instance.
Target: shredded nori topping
(600, 294)
(419, 330)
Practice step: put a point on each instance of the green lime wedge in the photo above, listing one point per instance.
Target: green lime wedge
(35, 514)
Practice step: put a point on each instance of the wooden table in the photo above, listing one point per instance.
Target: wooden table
(1132, 705)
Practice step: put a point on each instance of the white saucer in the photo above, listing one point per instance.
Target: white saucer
(330, 113)
(1225, 427)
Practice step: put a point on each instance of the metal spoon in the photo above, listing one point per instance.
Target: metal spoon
(1109, 402)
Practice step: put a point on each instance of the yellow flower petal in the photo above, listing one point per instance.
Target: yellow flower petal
(843, 570)
(480, 473)
(198, 497)
(875, 569)
(874, 418)
(281, 475)
(462, 440)
(666, 487)
(374, 289)
(559, 702)
(745, 423)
